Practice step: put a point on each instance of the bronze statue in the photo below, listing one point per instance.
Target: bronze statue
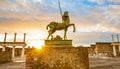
(53, 26)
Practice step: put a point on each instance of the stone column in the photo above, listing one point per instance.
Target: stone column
(5, 37)
(24, 37)
(96, 50)
(114, 51)
(13, 51)
(15, 37)
(118, 42)
(23, 51)
(117, 37)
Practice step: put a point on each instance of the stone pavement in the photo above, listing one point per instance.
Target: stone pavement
(18, 63)
(95, 63)
(104, 63)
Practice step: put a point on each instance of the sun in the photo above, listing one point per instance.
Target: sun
(37, 44)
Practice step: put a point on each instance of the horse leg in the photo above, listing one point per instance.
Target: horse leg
(65, 37)
(73, 27)
(50, 34)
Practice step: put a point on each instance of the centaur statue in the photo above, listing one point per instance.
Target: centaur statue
(53, 26)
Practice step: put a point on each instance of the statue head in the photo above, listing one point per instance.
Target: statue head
(66, 13)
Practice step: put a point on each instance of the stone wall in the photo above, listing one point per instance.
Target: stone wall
(5, 57)
(58, 58)
(91, 50)
(102, 47)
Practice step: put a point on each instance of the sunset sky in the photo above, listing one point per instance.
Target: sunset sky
(95, 20)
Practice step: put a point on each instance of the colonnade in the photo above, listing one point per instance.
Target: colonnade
(14, 44)
(114, 44)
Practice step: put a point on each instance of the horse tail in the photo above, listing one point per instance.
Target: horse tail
(47, 26)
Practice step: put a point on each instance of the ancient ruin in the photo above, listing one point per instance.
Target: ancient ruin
(109, 49)
(4, 44)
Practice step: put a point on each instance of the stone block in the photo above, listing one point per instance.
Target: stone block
(64, 57)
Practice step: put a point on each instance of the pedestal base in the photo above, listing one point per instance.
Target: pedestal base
(58, 42)
(65, 57)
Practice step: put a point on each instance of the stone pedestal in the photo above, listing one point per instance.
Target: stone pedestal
(56, 57)
(58, 42)
(58, 54)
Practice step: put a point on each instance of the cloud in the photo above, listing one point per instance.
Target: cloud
(3, 2)
(100, 18)
(97, 1)
(37, 1)
(87, 38)
(89, 16)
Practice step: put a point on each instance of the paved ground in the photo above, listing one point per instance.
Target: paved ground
(95, 63)
(18, 63)
(13, 66)
(104, 63)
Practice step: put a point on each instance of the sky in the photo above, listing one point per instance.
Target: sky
(95, 20)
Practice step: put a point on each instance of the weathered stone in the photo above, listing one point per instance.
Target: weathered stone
(104, 49)
(5, 57)
(65, 57)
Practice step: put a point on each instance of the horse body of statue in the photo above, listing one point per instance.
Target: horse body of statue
(53, 26)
